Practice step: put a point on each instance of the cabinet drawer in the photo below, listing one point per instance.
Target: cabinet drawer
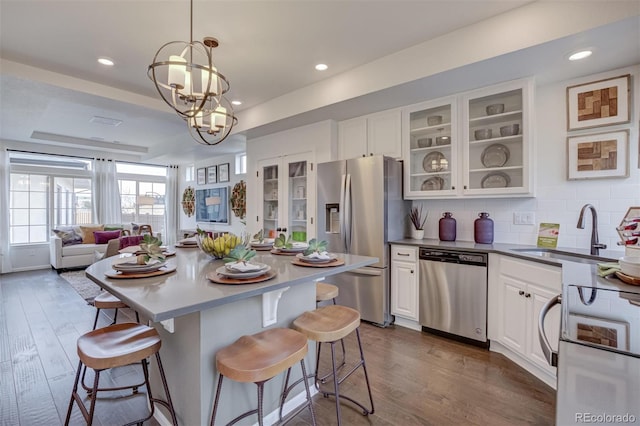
(404, 253)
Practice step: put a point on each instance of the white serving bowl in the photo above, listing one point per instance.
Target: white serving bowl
(630, 266)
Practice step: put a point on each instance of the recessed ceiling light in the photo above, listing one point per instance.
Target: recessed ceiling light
(236, 102)
(580, 55)
(321, 67)
(106, 61)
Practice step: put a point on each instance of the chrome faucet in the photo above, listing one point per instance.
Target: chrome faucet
(595, 245)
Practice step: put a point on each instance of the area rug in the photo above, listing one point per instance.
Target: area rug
(86, 288)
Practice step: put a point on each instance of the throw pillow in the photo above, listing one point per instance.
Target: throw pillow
(87, 233)
(133, 240)
(103, 237)
(68, 235)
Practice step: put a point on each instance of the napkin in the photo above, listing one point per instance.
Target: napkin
(607, 268)
(319, 255)
(243, 267)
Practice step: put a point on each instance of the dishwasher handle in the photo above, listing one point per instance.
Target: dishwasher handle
(550, 355)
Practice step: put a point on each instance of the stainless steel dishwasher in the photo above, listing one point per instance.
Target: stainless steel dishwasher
(453, 293)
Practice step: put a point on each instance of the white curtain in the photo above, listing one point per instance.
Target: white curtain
(5, 253)
(172, 203)
(106, 195)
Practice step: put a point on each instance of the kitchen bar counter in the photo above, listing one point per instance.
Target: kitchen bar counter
(201, 317)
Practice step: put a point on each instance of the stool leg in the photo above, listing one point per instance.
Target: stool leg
(168, 404)
(215, 402)
(366, 376)
(336, 385)
(260, 398)
(115, 316)
(95, 322)
(306, 388)
(74, 391)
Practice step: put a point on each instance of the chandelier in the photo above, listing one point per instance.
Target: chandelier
(188, 82)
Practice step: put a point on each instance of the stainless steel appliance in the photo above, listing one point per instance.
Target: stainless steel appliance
(598, 356)
(360, 209)
(453, 293)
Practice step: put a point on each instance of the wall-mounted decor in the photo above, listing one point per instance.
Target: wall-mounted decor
(603, 332)
(599, 103)
(600, 155)
(223, 169)
(212, 174)
(239, 199)
(201, 176)
(189, 201)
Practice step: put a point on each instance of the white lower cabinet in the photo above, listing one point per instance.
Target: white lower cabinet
(518, 289)
(404, 285)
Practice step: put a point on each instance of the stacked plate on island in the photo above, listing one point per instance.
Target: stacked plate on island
(243, 270)
(296, 247)
(315, 257)
(130, 265)
(266, 244)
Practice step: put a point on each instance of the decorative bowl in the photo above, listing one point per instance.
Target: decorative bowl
(510, 130)
(481, 134)
(219, 247)
(424, 142)
(630, 266)
(443, 140)
(495, 109)
(434, 120)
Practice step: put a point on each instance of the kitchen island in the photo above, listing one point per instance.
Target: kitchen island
(196, 317)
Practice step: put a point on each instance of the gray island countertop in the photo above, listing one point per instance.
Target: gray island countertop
(188, 289)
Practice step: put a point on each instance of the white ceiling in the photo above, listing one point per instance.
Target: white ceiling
(51, 84)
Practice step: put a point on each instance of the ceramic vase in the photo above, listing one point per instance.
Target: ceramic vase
(417, 234)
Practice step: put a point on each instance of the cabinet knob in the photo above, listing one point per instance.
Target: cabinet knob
(284, 229)
(521, 293)
(527, 295)
(412, 271)
(453, 187)
(465, 187)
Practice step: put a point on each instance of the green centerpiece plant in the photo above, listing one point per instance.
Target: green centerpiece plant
(240, 254)
(316, 246)
(150, 249)
(283, 242)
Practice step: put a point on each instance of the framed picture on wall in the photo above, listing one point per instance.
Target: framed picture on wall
(201, 176)
(599, 155)
(224, 172)
(212, 174)
(599, 103)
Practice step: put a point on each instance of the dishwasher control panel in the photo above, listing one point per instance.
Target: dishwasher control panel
(453, 256)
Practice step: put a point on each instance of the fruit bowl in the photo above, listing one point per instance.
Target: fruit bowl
(218, 247)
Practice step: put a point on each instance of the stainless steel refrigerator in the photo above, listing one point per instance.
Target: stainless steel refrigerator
(360, 209)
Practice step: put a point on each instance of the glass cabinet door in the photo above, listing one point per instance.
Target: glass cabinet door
(298, 208)
(270, 200)
(432, 157)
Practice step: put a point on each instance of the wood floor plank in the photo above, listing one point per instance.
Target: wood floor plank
(8, 403)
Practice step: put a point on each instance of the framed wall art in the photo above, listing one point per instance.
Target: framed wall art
(212, 174)
(223, 169)
(599, 103)
(201, 176)
(600, 155)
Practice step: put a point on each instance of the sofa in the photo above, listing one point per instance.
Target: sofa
(75, 246)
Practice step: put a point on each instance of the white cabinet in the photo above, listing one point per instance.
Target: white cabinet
(404, 282)
(519, 293)
(286, 196)
(473, 144)
(373, 134)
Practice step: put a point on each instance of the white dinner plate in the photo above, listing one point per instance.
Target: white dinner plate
(131, 268)
(222, 270)
(308, 259)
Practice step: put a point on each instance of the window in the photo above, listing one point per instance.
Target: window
(142, 194)
(46, 191)
(241, 163)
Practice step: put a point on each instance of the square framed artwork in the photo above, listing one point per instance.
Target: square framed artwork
(600, 331)
(223, 169)
(599, 155)
(201, 176)
(212, 174)
(599, 103)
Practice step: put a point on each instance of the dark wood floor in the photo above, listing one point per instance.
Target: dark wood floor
(417, 378)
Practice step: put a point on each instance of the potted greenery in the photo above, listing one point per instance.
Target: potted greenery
(418, 221)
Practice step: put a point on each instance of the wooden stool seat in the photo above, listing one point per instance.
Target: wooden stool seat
(258, 358)
(325, 291)
(328, 323)
(106, 300)
(117, 345)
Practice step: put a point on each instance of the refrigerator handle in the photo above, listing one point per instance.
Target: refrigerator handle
(367, 271)
(347, 213)
(341, 215)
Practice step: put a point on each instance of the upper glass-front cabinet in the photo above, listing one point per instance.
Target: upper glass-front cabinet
(496, 140)
(431, 152)
(287, 192)
(482, 150)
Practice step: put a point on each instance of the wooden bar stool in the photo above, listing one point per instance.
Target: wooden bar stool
(257, 359)
(330, 324)
(106, 300)
(116, 346)
(325, 292)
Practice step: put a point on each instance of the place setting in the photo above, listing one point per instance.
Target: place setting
(239, 269)
(131, 267)
(285, 246)
(260, 243)
(187, 243)
(316, 256)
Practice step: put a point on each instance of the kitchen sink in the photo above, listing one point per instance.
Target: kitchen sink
(562, 255)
